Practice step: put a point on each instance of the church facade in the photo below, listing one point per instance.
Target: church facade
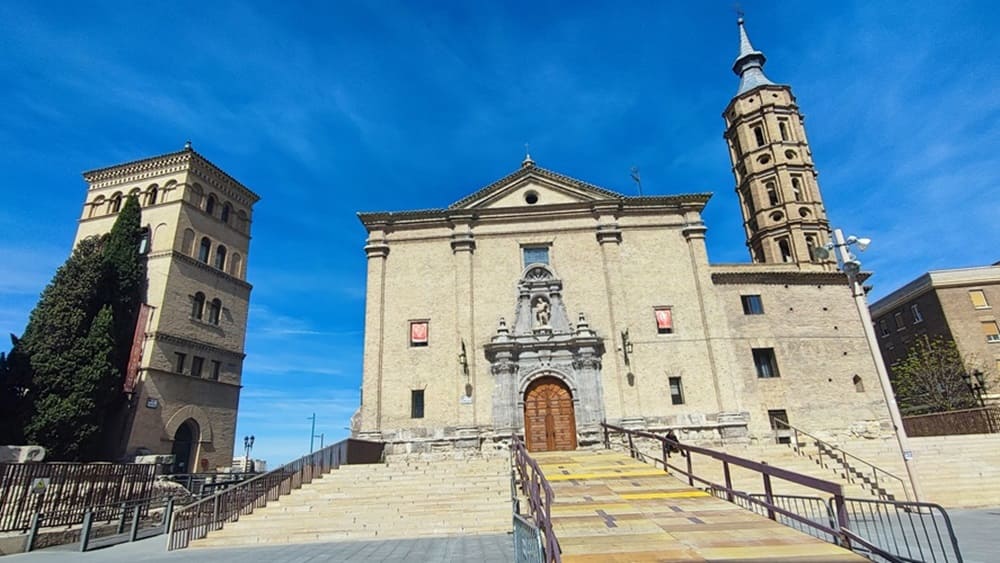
(542, 305)
(184, 376)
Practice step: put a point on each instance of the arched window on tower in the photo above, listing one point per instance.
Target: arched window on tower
(135, 193)
(115, 203)
(772, 194)
(783, 128)
(810, 245)
(151, 194)
(785, 249)
(235, 264)
(214, 311)
(220, 257)
(797, 188)
(226, 210)
(204, 250)
(758, 133)
(96, 206)
(210, 204)
(198, 305)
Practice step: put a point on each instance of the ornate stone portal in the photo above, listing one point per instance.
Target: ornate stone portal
(543, 343)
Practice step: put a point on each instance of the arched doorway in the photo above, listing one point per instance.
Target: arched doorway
(184, 442)
(549, 421)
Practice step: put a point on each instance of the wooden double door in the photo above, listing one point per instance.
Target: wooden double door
(549, 421)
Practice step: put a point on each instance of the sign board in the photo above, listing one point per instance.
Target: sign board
(39, 484)
(135, 354)
(152, 403)
(907, 455)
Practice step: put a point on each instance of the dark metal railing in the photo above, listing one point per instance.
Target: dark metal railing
(983, 420)
(207, 484)
(911, 531)
(871, 476)
(196, 520)
(538, 493)
(134, 519)
(65, 491)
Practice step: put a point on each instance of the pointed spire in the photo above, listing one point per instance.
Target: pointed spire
(749, 65)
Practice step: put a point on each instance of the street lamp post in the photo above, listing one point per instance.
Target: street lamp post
(247, 448)
(851, 266)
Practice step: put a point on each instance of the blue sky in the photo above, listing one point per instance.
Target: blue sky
(329, 108)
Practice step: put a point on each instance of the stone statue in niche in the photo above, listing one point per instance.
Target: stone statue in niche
(542, 312)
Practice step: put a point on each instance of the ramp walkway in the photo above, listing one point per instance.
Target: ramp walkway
(611, 508)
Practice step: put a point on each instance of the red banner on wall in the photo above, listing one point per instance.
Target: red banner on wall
(135, 354)
(664, 321)
(418, 333)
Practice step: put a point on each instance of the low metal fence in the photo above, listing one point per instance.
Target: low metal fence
(65, 491)
(538, 493)
(527, 541)
(207, 484)
(985, 420)
(911, 531)
(196, 520)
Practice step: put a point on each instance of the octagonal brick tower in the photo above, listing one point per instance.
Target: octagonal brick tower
(783, 213)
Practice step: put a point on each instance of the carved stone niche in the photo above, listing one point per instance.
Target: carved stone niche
(543, 343)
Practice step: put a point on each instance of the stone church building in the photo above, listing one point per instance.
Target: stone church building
(543, 305)
(184, 376)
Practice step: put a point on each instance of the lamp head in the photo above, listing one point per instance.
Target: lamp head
(852, 267)
(862, 243)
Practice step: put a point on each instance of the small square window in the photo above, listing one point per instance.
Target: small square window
(917, 317)
(978, 298)
(196, 365)
(765, 362)
(181, 360)
(417, 403)
(676, 391)
(898, 319)
(752, 305)
(991, 331)
(535, 255)
(419, 333)
(664, 320)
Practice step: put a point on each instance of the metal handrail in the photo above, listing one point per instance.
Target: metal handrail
(767, 472)
(534, 484)
(821, 444)
(197, 519)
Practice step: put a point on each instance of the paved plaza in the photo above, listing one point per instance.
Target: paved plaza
(976, 529)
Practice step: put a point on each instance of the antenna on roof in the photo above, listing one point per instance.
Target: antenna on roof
(637, 179)
(739, 10)
(527, 158)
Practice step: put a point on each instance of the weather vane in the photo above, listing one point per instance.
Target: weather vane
(739, 10)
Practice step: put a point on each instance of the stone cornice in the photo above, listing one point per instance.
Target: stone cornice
(937, 279)
(201, 265)
(196, 344)
(737, 274)
(621, 206)
(186, 159)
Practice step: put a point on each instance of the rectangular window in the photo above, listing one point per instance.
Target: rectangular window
(676, 391)
(196, 365)
(181, 360)
(216, 368)
(883, 327)
(535, 255)
(419, 333)
(417, 403)
(917, 317)
(978, 299)
(752, 305)
(897, 317)
(664, 320)
(765, 362)
(991, 331)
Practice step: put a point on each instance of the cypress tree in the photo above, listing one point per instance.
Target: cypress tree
(125, 281)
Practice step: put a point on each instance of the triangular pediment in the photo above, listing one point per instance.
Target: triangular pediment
(534, 186)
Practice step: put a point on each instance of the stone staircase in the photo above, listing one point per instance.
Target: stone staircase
(960, 471)
(406, 497)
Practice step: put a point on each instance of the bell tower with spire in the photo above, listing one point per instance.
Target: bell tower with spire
(783, 214)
